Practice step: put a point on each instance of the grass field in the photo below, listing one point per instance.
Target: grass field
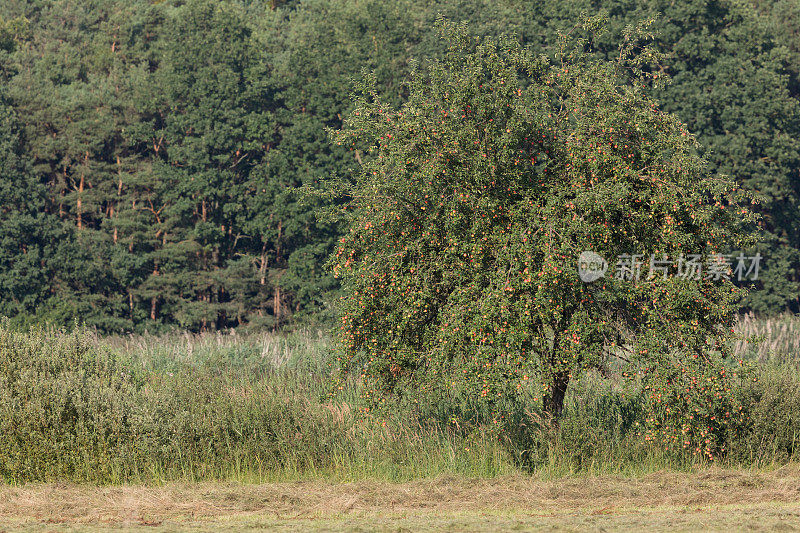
(240, 431)
(710, 500)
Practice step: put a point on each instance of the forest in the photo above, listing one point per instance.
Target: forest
(152, 152)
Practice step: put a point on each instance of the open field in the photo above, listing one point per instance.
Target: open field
(711, 499)
(235, 432)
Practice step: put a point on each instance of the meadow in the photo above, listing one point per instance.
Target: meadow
(239, 431)
(260, 407)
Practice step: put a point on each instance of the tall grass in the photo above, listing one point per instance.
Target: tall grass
(76, 407)
(777, 339)
(257, 407)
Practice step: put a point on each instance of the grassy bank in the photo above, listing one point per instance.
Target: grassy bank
(257, 408)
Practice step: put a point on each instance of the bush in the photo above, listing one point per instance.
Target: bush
(66, 407)
(73, 409)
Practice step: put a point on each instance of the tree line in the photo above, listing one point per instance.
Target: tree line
(151, 152)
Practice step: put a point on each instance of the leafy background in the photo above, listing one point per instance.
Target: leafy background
(149, 151)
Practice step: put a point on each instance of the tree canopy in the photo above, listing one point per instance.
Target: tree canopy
(479, 194)
(158, 146)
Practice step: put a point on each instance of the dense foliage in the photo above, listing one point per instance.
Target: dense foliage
(475, 200)
(149, 150)
(252, 408)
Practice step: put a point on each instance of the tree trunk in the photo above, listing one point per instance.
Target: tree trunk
(80, 204)
(262, 268)
(80, 191)
(554, 399)
(119, 195)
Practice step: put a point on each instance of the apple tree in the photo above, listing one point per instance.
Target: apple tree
(472, 205)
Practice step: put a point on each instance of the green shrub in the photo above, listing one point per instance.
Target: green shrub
(71, 408)
(67, 406)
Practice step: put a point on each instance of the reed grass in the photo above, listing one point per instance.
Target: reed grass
(769, 340)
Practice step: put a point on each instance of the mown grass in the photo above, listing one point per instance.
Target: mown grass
(257, 408)
(712, 499)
